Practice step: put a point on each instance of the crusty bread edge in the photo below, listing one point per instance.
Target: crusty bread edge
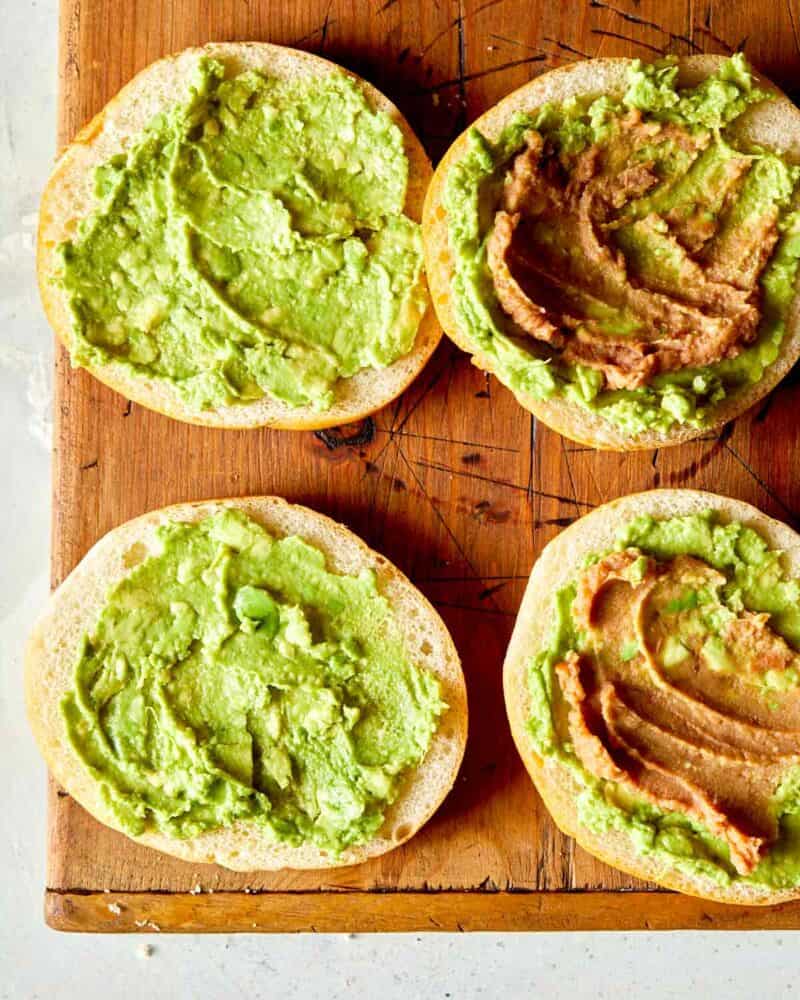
(776, 123)
(556, 566)
(72, 611)
(67, 198)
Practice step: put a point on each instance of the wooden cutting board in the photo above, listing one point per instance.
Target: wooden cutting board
(454, 482)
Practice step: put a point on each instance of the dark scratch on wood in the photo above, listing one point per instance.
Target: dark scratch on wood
(486, 6)
(386, 6)
(635, 19)
(398, 406)
(128, 407)
(468, 579)
(654, 464)
(763, 411)
(458, 23)
(705, 29)
(793, 22)
(374, 468)
(690, 471)
(513, 41)
(598, 488)
(454, 357)
(333, 437)
(559, 522)
(448, 440)
(788, 511)
(441, 467)
(488, 591)
(570, 476)
(461, 117)
(440, 517)
(90, 465)
(627, 38)
(565, 47)
(469, 77)
(530, 491)
(689, 37)
(435, 467)
(726, 433)
(380, 511)
(439, 36)
(480, 610)
(398, 431)
(326, 24)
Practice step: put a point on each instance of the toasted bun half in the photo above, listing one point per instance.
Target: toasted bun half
(73, 610)
(773, 124)
(557, 565)
(68, 198)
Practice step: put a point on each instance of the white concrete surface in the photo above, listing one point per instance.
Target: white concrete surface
(36, 962)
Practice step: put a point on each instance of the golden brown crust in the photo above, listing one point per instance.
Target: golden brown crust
(776, 124)
(50, 660)
(556, 565)
(67, 198)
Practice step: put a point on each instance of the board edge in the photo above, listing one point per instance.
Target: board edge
(403, 911)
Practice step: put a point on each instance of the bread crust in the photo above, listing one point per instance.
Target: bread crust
(557, 564)
(68, 198)
(775, 124)
(51, 656)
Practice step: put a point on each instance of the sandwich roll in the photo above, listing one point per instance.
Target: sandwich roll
(652, 685)
(618, 243)
(234, 240)
(245, 682)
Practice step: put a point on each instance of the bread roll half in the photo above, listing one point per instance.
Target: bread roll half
(54, 645)
(559, 564)
(773, 124)
(69, 198)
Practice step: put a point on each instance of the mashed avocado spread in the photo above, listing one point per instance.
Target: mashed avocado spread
(629, 254)
(232, 676)
(250, 240)
(713, 720)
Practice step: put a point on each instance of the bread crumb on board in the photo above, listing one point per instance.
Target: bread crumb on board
(147, 923)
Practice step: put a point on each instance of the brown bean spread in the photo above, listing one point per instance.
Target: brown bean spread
(619, 264)
(667, 697)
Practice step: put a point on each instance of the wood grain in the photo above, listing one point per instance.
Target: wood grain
(453, 482)
(227, 912)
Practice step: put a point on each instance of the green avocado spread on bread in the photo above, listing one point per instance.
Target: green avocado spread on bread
(633, 254)
(669, 688)
(250, 240)
(232, 676)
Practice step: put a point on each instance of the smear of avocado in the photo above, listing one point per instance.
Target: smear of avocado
(250, 240)
(232, 676)
(756, 581)
(472, 193)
